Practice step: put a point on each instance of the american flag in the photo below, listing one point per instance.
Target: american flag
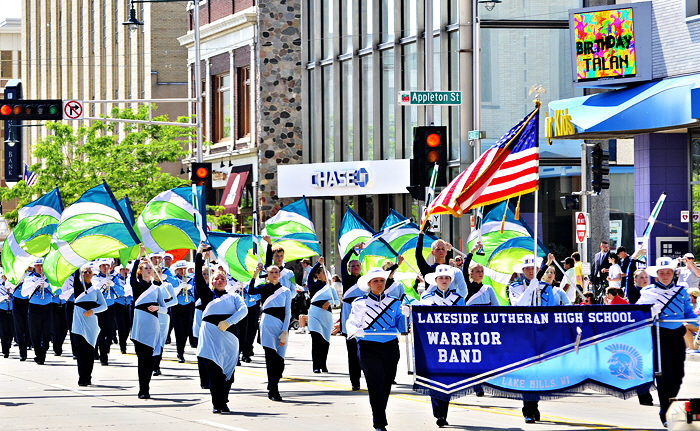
(509, 168)
(29, 177)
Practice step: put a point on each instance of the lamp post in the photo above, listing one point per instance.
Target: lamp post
(133, 23)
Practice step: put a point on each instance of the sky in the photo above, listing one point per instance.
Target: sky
(10, 9)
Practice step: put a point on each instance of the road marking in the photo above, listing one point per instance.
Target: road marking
(77, 391)
(222, 426)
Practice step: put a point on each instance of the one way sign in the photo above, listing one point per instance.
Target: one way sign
(73, 110)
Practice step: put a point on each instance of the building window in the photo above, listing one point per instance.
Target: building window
(388, 109)
(387, 20)
(347, 111)
(222, 107)
(346, 26)
(328, 141)
(243, 102)
(692, 8)
(410, 18)
(410, 82)
(327, 28)
(366, 22)
(367, 111)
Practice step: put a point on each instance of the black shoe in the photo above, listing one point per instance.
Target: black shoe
(225, 409)
(646, 399)
(274, 396)
(529, 420)
(6, 355)
(356, 388)
(204, 386)
(216, 411)
(75, 358)
(144, 396)
(157, 372)
(181, 358)
(39, 361)
(123, 351)
(83, 383)
(22, 358)
(537, 415)
(245, 359)
(480, 394)
(317, 371)
(57, 353)
(104, 363)
(167, 340)
(324, 370)
(441, 422)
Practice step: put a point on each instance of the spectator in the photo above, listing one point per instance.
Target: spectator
(578, 269)
(614, 271)
(588, 298)
(691, 330)
(625, 262)
(612, 296)
(690, 275)
(600, 268)
(568, 283)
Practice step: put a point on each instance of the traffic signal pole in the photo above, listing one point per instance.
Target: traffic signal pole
(429, 57)
(584, 198)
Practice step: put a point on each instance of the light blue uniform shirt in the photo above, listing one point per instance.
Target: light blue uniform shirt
(320, 320)
(221, 347)
(87, 327)
(146, 328)
(378, 316)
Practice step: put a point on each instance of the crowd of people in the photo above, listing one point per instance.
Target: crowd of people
(104, 304)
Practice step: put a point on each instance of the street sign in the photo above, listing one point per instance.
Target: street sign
(430, 97)
(696, 216)
(473, 135)
(582, 228)
(685, 216)
(73, 110)
(433, 221)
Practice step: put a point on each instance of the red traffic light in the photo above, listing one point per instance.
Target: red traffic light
(433, 140)
(201, 172)
(5, 110)
(433, 156)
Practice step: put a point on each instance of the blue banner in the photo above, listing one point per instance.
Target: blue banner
(532, 352)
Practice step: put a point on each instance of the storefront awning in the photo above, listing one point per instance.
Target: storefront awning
(234, 188)
(668, 104)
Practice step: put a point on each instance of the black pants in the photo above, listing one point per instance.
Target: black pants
(21, 322)
(251, 329)
(40, 329)
(85, 357)
(530, 408)
(7, 329)
(107, 325)
(59, 330)
(319, 351)
(439, 407)
(378, 362)
(144, 355)
(181, 321)
(69, 325)
(353, 362)
(672, 366)
(275, 367)
(155, 360)
(219, 387)
(123, 322)
(203, 375)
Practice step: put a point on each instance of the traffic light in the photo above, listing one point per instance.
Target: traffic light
(600, 168)
(13, 134)
(429, 147)
(31, 110)
(201, 176)
(570, 202)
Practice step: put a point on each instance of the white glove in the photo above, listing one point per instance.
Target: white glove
(359, 333)
(406, 310)
(109, 283)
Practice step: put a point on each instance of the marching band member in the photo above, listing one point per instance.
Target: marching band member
(197, 324)
(669, 302)
(6, 324)
(442, 295)
(59, 330)
(536, 292)
(104, 281)
(145, 331)
(277, 312)
(323, 297)
(20, 319)
(249, 325)
(183, 311)
(376, 321)
(350, 271)
(36, 288)
(218, 345)
(170, 299)
(85, 328)
(121, 307)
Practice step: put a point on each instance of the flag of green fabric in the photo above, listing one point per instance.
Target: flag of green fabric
(168, 220)
(235, 253)
(502, 260)
(353, 230)
(31, 237)
(129, 253)
(293, 229)
(93, 226)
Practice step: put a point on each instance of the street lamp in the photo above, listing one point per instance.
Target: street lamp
(133, 23)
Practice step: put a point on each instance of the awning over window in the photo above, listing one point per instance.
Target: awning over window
(234, 188)
(651, 107)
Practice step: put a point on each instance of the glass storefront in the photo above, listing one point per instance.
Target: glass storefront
(695, 190)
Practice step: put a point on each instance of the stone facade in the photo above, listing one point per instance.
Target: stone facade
(279, 106)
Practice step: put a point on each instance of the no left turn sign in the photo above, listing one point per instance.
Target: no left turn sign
(73, 110)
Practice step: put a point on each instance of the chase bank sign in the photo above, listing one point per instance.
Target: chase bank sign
(371, 177)
(340, 178)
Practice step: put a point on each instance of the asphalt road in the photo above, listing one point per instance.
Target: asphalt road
(34, 397)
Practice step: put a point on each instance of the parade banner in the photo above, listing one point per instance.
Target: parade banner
(532, 353)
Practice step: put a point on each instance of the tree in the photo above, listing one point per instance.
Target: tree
(78, 159)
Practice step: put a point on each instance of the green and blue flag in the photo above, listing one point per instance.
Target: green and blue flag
(293, 230)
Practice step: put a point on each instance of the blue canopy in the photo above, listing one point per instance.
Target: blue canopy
(653, 106)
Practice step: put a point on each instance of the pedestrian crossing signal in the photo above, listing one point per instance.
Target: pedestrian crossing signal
(21, 109)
